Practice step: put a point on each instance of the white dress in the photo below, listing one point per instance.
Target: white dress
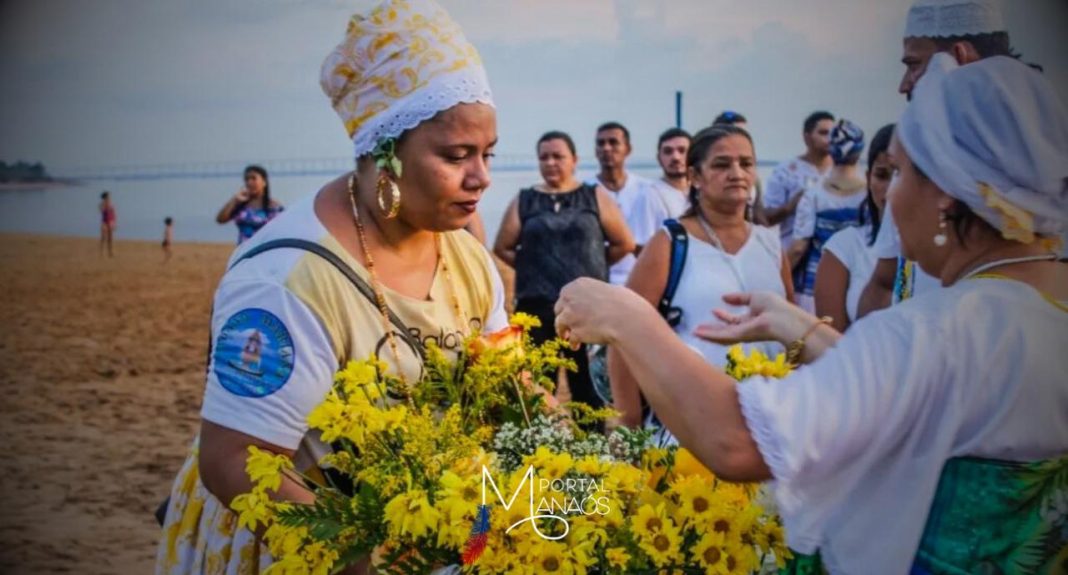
(709, 274)
(851, 248)
(856, 441)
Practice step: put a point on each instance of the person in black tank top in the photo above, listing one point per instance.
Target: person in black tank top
(556, 232)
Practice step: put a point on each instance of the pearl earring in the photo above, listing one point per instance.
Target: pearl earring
(940, 238)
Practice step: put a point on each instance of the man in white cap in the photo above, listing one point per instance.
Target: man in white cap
(968, 30)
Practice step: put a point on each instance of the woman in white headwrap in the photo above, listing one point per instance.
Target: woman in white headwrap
(932, 436)
(414, 98)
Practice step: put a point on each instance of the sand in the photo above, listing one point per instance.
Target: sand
(101, 368)
(101, 374)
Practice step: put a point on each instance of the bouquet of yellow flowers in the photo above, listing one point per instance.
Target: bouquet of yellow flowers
(474, 471)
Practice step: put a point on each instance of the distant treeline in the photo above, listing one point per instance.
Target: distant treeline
(23, 172)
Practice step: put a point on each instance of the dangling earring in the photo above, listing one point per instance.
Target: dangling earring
(386, 161)
(386, 183)
(940, 238)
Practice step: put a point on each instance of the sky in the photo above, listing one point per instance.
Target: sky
(136, 82)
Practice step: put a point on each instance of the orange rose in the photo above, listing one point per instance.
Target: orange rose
(510, 337)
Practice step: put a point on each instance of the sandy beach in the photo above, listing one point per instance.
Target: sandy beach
(102, 374)
(101, 368)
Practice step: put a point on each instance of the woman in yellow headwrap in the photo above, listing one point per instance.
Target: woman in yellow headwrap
(375, 262)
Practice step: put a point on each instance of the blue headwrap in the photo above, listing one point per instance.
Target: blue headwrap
(847, 142)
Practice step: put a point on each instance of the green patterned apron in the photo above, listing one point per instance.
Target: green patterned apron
(989, 517)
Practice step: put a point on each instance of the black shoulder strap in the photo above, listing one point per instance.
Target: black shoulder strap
(360, 284)
(679, 245)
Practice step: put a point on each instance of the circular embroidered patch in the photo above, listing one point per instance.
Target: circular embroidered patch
(253, 354)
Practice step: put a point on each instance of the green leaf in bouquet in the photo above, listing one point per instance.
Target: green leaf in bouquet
(300, 515)
(326, 529)
(403, 561)
(368, 510)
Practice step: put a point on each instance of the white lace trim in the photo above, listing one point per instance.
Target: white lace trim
(943, 18)
(466, 86)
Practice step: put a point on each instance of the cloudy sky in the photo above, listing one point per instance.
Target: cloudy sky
(131, 82)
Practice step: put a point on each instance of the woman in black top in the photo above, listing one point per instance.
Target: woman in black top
(555, 232)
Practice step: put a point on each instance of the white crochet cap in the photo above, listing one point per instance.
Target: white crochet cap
(944, 18)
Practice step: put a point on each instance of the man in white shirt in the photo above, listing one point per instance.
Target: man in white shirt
(612, 148)
(969, 30)
(790, 179)
(667, 197)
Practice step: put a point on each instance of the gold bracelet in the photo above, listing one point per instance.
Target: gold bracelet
(797, 346)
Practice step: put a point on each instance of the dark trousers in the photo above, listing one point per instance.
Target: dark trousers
(579, 382)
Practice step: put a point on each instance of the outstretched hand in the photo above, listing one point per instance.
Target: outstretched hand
(769, 318)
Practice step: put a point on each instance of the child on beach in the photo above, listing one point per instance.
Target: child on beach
(168, 238)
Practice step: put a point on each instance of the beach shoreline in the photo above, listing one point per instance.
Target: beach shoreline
(39, 185)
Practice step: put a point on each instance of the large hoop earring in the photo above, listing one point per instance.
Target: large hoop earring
(384, 184)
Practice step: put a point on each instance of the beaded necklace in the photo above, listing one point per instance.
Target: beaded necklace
(380, 297)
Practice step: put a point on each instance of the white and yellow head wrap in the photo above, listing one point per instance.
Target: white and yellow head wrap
(398, 66)
(994, 135)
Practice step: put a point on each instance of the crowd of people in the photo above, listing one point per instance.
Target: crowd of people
(883, 420)
(629, 230)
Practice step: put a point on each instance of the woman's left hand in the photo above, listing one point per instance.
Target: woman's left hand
(590, 311)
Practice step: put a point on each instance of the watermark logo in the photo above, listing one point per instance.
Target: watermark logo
(558, 499)
(553, 500)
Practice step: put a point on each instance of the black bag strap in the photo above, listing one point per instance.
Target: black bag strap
(679, 245)
(672, 314)
(347, 271)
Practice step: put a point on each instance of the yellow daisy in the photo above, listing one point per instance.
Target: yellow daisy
(711, 553)
(662, 546)
(548, 464)
(617, 557)
(721, 518)
(411, 514)
(649, 521)
(695, 498)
